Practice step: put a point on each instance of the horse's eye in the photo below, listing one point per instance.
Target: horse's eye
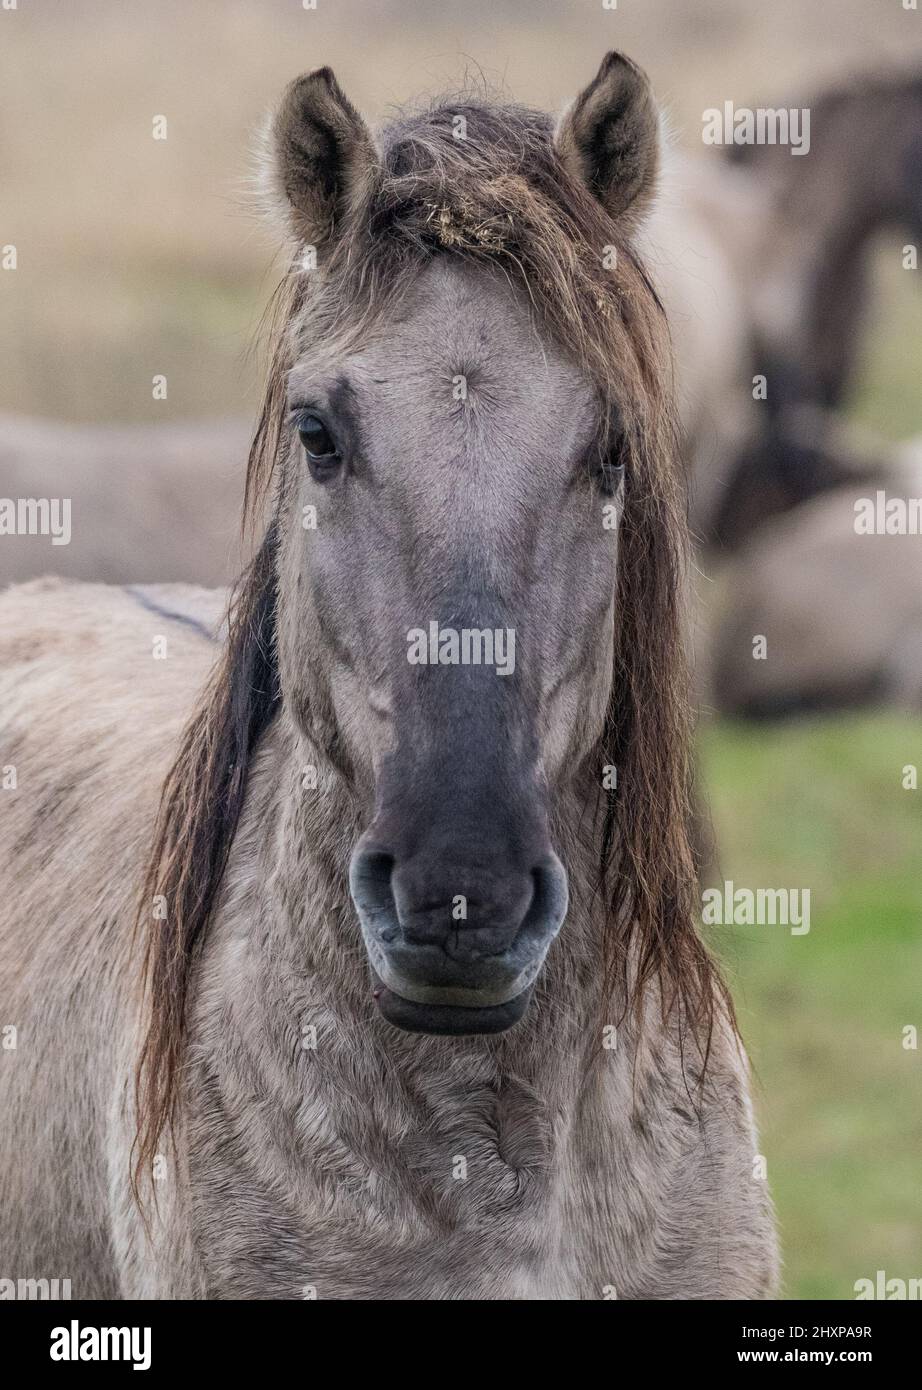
(613, 474)
(318, 444)
(609, 466)
(612, 453)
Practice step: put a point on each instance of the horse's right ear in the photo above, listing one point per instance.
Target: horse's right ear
(610, 138)
(322, 156)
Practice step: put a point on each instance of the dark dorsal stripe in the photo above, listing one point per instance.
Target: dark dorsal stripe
(172, 614)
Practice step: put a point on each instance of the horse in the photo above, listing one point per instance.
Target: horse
(693, 242)
(863, 176)
(803, 454)
(147, 502)
(808, 297)
(835, 588)
(351, 951)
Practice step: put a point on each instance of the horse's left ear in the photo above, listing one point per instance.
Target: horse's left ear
(322, 156)
(610, 137)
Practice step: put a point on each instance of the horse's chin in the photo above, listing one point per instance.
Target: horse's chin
(449, 1019)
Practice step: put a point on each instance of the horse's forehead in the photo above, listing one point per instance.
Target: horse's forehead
(465, 386)
(462, 403)
(469, 321)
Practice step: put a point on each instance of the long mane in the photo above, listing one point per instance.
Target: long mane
(499, 195)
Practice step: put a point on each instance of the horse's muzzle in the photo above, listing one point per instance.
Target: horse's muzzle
(455, 949)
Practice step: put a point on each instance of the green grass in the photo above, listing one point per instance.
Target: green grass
(820, 805)
(886, 398)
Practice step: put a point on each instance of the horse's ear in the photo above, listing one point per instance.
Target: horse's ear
(610, 137)
(322, 156)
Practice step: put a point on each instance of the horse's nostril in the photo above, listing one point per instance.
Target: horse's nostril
(375, 867)
(370, 875)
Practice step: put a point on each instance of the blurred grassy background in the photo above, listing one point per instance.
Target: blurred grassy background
(888, 398)
(821, 804)
(139, 256)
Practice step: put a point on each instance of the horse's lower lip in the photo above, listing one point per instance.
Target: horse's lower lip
(453, 1019)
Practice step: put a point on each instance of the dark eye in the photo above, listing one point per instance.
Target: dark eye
(613, 474)
(609, 466)
(322, 454)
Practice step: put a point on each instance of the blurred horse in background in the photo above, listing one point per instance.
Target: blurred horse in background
(840, 607)
(149, 503)
(809, 251)
(863, 176)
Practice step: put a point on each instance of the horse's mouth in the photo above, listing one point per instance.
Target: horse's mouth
(447, 1018)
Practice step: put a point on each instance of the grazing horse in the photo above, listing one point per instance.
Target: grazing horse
(414, 1005)
(810, 290)
(863, 175)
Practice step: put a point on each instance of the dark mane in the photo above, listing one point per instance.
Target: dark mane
(500, 195)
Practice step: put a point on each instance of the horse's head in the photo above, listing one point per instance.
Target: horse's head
(468, 601)
(455, 461)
